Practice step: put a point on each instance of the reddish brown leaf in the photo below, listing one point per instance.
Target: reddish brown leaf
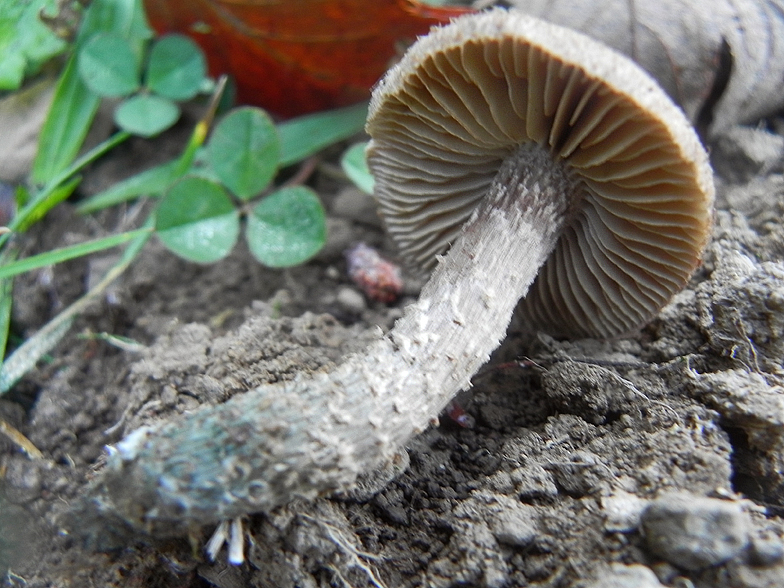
(297, 56)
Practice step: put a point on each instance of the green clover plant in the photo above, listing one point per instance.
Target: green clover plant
(206, 194)
(198, 220)
(26, 43)
(175, 69)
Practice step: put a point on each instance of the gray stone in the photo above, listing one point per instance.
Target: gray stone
(22, 479)
(766, 552)
(622, 511)
(694, 532)
(351, 300)
(340, 235)
(622, 576)
(580, 475)
(533, 481)
(514, 525)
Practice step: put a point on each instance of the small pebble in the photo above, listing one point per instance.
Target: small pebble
(515, 525)
(633, 576)
(22, 480)
(533, 481)
(579, 476)
(340, 235)
(694, 532)
(766, 552)
(622, 512)
(350, 300)
(508, 520)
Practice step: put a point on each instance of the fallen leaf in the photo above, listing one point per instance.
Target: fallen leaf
(21, 115)
(722, 61)
(297, 56)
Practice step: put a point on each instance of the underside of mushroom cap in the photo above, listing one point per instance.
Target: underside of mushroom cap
(467, 95)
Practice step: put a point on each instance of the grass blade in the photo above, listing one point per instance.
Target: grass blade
(66, 126)
(66, 253)
(6, 300)
(30, 352)
(303, 136)
(74, 105)
(153, 181)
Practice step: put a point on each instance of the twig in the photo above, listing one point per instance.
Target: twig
(23, 442)
(304, 172)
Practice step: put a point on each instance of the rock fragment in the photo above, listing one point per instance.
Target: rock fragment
(766, 551)
(533, 482)
(622, 511)
(622, 576)
(694, 532)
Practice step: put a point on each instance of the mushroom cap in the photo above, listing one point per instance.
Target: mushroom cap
(464, 97)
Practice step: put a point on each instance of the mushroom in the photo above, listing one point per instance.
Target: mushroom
(493, 101)
(548, 162)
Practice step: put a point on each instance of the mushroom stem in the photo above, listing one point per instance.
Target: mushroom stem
(315, 435)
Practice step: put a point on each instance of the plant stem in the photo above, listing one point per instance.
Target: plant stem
(316, 434)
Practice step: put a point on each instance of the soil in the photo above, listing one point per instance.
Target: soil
(541, 484)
